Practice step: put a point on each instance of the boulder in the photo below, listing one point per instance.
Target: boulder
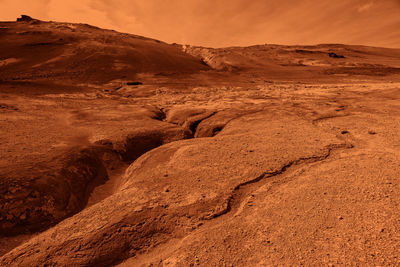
(24, 18)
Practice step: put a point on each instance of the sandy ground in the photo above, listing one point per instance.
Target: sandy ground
(277, 156)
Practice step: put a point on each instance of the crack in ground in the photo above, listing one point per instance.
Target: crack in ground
(193, 125)
(327, 117)
(217, 128)
(233, 202)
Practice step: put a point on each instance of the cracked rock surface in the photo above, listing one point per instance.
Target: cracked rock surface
(192, 178)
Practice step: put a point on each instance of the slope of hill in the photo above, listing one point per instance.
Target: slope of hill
(34, 50)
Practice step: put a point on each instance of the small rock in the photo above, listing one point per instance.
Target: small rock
(334, 55)
(24, 18)
(138, 209)
(134, 83)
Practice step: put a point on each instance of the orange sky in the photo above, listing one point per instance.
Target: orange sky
(219, 23)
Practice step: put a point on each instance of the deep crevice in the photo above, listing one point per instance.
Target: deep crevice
(51, 191)
(215, 128)
(193, 125)
(69, 180)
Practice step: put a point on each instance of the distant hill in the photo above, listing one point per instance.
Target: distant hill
(296, 61)
(79, 53)
(33, 49)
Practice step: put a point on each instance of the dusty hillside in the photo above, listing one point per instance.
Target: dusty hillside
(37, 50)
(122, 150)
(302, 62)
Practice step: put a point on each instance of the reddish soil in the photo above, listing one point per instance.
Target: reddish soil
(122, 150)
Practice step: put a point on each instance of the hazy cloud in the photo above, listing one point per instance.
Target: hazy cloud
(366, 6)
(233, 22)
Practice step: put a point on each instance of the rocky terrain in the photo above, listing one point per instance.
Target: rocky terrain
(118, 149)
